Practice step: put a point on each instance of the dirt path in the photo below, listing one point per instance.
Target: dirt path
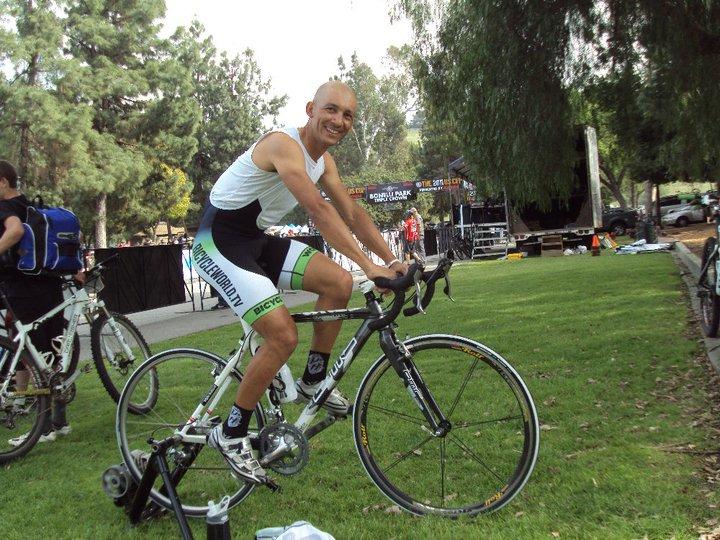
(693, 236)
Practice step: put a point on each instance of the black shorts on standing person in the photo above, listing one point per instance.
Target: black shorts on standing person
(29, 296)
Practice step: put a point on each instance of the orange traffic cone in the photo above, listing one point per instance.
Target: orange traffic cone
(595, 245)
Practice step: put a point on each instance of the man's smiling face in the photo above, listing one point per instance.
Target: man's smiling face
(332, 112)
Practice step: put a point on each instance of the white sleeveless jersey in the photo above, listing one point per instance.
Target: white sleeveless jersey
(244, 183)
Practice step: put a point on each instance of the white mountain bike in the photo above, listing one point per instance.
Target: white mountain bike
(117, 347)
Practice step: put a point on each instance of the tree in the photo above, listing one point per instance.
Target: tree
(234, 99)
(139, 96)
(379, 135)
(502, 72)
(39, 129)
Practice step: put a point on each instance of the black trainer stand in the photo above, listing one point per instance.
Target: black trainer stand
(157, 465)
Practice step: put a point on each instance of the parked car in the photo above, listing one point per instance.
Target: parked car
(687, 213)
(670, 202)
(618, 220)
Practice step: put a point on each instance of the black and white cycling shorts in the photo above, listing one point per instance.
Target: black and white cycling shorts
(247, 270)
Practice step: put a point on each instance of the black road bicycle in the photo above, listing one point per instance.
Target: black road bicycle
(442, 424)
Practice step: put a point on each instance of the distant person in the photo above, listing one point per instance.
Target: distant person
(420, 244)
(410, 235)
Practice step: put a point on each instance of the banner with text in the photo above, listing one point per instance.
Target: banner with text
(392, 192)
(438, 184)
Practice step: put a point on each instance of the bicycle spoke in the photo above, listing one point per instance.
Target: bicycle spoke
(465, 425)
(472, 454)
(406, 454)
(402, 416)
(462, 387)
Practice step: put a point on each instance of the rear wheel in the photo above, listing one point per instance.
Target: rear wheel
(23, 412)
(709, 300)
(186, 375)
(485, 457)
(113, 363)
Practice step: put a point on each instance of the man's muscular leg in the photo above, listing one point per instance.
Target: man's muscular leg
(279, 335)
(334, 285)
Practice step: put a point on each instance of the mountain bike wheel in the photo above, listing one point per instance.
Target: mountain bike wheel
(187, 375)
(709, 300)
(22, 413)
(114, 365)
(490, 450)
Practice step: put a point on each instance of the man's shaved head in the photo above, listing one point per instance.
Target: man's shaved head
(330, 116)
(331, 87)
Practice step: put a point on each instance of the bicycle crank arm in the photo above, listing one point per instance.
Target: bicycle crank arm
(271, 485)
(282, 450)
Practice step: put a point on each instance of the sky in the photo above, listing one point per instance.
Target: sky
(296, 43)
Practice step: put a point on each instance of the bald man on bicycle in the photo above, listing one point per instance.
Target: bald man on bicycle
(247, 267)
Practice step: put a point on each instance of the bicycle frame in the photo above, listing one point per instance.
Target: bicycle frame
(397, 354)
(80, 304)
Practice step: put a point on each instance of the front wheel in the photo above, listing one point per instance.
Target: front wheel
(709, 301)
(487, 454)
(117, 355)
(201, 473)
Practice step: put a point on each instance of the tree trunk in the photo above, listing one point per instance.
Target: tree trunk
(24, 158)
(647, 200)
(101, 221)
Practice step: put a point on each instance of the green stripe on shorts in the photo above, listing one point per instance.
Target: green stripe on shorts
(298, 271)
(262, 308)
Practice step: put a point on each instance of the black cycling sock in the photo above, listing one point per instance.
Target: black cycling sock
(237, 422)
(316, 367)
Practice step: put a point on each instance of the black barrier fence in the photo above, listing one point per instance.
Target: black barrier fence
(142, 278)
(149, 277)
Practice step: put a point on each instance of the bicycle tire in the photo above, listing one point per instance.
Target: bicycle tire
(394, 441)
(36, 408)
(181, 371)
(113, 372)
(709, 300)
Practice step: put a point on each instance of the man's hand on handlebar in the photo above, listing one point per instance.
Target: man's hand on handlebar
(376, 271)
(400, 268)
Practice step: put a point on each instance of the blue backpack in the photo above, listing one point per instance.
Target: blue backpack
(51, 241)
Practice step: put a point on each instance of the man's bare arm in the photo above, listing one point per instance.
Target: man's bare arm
(287, 159)
(13, 233)
(354, 215)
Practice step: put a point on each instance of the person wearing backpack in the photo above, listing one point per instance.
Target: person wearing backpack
(30, 296)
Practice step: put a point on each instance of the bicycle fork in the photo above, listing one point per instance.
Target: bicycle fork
(401, 361)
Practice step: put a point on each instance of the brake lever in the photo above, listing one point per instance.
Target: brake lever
(446, 289)
(418, 298)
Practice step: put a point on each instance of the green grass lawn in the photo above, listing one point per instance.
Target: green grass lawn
(605, 346)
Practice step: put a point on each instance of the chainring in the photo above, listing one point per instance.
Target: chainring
(295, 459)
(67, 395)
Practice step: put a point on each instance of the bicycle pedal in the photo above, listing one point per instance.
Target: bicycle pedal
(272, 486)
(87, 368)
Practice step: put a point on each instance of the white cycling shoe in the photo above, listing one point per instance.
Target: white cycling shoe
(45, 437)
(238, 454)
(336, 403)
